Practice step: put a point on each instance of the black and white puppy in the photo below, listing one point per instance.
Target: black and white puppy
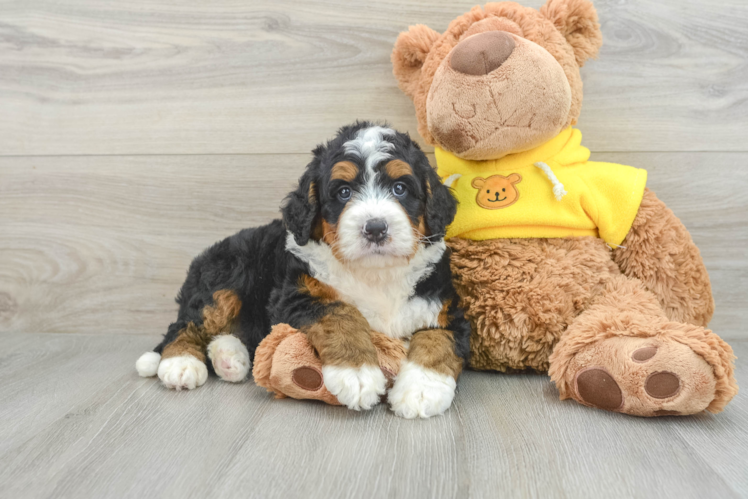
(360, 249)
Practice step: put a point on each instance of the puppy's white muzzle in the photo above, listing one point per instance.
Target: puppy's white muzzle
(374, 224)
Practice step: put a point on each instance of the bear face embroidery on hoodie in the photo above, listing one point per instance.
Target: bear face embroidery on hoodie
(497, 191)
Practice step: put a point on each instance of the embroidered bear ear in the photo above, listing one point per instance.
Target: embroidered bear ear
(411, 50)
(514, 178)
(478, 182)
(577, 22)
(301, 207)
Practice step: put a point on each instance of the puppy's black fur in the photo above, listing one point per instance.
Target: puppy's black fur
(256, 266)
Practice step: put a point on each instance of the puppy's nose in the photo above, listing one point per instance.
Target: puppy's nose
(375, 230)
(482, 53)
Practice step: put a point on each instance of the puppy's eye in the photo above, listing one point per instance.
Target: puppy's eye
(344, 193)
(399, 189)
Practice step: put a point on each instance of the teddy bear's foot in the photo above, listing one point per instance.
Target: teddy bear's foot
(647, 377)
(230, 358)
(680, 370)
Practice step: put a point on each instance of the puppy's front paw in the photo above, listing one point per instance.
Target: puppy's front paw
(420, 392)
(230, 358)
(357, 388)
(147, 364)
(182, 372)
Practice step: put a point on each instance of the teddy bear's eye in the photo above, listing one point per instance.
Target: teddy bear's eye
(488, 191)
(503, 189)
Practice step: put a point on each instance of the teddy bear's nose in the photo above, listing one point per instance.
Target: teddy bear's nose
(482, 53)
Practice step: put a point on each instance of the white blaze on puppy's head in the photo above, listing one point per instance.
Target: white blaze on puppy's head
(374, 229)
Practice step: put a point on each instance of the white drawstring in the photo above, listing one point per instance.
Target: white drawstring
(451, 179)
(558, 188)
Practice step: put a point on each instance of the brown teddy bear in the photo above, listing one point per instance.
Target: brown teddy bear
(563, 265)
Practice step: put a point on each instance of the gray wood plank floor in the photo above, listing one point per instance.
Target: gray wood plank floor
(78, 422)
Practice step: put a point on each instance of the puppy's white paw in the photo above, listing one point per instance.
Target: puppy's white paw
(420, 392)
(230, 358)
(357, 388)
(182, 372)
(147, 364)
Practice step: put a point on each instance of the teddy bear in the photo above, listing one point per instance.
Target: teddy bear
(563, 265)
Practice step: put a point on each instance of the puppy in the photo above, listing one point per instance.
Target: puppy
(360, 248)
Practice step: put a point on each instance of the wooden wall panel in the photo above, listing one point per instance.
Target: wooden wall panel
(275, 76)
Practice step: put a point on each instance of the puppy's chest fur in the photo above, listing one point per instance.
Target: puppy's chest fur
(384, 296)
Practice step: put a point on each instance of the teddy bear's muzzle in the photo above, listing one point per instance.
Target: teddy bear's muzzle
(482, 53)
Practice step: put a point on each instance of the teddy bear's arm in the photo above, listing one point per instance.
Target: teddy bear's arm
(659, 251)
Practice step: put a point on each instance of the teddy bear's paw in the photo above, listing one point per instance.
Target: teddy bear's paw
(420, 392)
(230, 358)
(182, 372)
(643, 376)
(357, 388)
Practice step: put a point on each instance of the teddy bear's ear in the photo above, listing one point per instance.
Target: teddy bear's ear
(411, 49)
(577, 22)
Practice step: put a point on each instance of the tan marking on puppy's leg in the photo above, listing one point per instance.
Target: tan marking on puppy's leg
(397, 168)
(218, 318)
(190, 341)
(313, 287)
(343, 337)
(344, 170)
(435, 350)
(350, 366)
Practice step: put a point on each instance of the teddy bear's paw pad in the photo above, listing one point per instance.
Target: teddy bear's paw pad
(643, 376)
(182, 372)
(357, 388)
(596, 387)
(230, 358)
(420, 392)
(662, 385)
(307, 378)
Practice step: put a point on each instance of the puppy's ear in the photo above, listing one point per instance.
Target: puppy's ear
(577, 21)
(441, 206)
(301, 207)
(411, 50)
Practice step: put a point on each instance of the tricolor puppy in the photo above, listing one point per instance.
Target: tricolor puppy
(360, 248)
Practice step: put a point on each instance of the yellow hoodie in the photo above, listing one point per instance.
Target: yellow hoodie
(518, 196)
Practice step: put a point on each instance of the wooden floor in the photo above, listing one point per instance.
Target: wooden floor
(78, 422)
(134, 134)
